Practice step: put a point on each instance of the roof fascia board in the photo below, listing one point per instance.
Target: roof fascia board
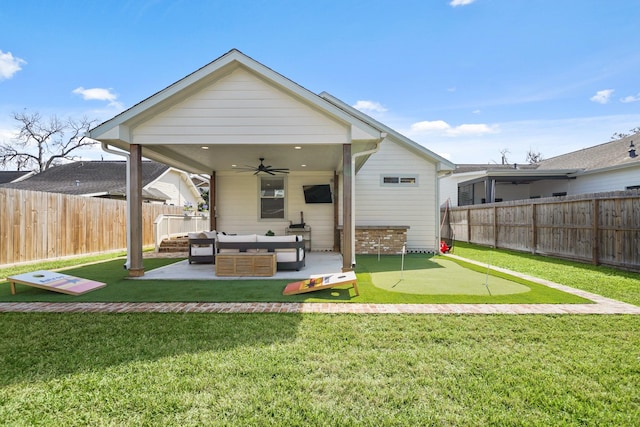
(607, 169)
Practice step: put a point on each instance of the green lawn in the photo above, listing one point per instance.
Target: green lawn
(421, 279)
(318, 369)
(329, 369)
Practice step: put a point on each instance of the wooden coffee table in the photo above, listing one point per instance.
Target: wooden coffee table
(246, 264)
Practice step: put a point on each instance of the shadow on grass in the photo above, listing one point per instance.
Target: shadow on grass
(42, 346)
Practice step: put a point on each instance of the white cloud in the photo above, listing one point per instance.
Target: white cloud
(369, 106)
(98, 94)
(602, 96)
(455, 3)
(630, 98)
(443, 128)
(9, 65)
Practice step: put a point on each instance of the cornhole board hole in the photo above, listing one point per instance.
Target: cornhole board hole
(325, 281)
(56, 282)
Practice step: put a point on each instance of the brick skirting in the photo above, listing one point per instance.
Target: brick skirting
(388, 239)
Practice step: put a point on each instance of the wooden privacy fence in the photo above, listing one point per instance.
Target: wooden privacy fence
(602, 228)
(37, 226)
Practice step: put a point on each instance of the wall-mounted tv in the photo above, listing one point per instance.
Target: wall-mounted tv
(317, 193)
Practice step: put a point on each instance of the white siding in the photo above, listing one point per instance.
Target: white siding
(238, 207)
(174, 185)
(616, 180)
(240, 108)
(414, 206)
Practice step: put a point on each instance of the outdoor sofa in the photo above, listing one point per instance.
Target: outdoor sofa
(289, 250)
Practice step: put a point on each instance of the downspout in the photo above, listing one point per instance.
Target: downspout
(106, 148)
(383, 135)
(436, 249)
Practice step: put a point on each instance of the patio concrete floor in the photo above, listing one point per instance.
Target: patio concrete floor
(317, 263)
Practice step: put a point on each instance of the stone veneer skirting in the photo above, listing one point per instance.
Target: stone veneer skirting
(388, 240)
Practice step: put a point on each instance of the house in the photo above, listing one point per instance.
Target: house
(7, 177)
(612, 166)
(107, 179)
(279, 155)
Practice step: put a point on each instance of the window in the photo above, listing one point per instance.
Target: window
(562, 193)
(465, 195)
(633, 187)
(272, 198)
(404, 180)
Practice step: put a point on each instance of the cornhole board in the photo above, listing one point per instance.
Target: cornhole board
(324, 281)
(56, 282)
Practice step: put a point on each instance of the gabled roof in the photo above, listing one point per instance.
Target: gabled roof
(603, 156)
(13, 176)
(94, 178)
(118, 131)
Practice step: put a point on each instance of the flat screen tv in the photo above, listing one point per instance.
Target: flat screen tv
(317, 193)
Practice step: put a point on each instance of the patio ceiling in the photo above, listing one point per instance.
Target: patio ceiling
(206, 158)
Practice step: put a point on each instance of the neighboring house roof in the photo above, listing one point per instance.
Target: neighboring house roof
(464, 168)
(603, 156)
(610, 155)
(14, 176)
(92, 178)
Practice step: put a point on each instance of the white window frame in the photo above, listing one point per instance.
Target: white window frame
(275, 196)
(403, 180)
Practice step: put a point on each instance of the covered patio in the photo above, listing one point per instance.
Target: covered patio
(222, 121)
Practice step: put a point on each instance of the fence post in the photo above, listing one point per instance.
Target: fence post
(495, 227)
(468, 225)
(595, 239)
(534, 229)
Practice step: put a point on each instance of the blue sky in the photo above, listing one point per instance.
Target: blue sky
(465, 78)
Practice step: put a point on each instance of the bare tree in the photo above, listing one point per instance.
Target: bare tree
(45, 142)
(504, 153)
(620, 135)
(533, 157)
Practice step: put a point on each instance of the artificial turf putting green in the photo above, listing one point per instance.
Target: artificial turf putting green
(441, 276)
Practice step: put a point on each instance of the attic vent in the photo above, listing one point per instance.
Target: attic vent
(632, 150)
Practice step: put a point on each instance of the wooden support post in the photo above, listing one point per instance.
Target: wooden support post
(212, 202)
(136, 269)
(347, 214)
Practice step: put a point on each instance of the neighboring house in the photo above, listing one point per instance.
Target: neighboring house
(234, 111)
(7, 177)
(107, 179)
(612, 166)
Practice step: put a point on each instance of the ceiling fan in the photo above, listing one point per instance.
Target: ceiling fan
(266, 169)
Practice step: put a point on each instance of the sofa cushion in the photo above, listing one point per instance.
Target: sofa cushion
(210, 234)
(202, 250)
(289, 255)
(237, 238)
(268, 239)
